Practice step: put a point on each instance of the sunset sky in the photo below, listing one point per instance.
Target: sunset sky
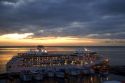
(62, 22)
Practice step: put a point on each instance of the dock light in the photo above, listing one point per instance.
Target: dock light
(106, 60)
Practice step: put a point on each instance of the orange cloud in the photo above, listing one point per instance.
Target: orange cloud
(24, 40)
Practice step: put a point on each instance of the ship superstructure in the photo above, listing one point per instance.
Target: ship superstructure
(40, 59)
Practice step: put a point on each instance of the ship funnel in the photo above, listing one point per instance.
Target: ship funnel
(40, 47)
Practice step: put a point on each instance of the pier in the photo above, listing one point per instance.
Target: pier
(117, 70)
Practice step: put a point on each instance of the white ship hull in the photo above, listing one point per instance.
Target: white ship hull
(41, 60)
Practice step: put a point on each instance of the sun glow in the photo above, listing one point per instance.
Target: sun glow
(16, 36)
(27, 39)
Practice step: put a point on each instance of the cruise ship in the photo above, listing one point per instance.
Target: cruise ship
(40, 59)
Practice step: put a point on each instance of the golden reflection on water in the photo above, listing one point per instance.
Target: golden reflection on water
(6, 54)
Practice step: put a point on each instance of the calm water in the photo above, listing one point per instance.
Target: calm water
(115, 54)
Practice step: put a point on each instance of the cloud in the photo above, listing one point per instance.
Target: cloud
(16, 36)
(80, 18)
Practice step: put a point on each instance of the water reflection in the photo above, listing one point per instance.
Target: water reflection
(6, 54)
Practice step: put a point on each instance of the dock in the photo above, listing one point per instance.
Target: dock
(117, 70)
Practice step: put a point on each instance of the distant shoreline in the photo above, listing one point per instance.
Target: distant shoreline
(53, 46)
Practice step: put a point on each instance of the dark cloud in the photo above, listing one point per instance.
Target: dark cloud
(81, 18)
(9, 1)
(110, 7)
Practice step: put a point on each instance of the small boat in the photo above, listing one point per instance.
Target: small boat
(25, 76)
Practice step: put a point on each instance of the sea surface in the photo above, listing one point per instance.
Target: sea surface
(116, 54)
